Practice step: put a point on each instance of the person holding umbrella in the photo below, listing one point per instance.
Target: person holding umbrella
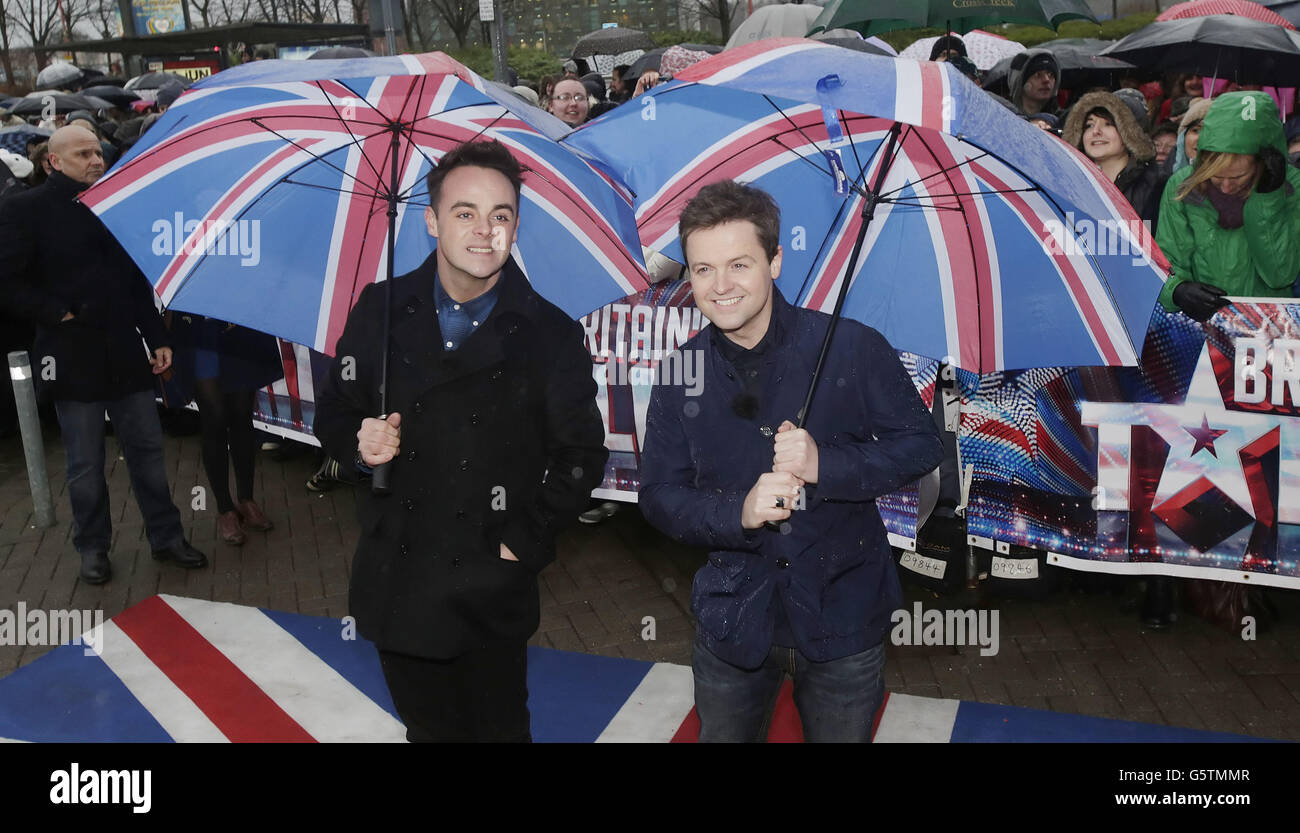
(812, 594)
(495, 443)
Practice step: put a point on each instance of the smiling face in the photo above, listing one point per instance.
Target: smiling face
(731, 279)
(476, 222)
(1101, 140)
(569, 102)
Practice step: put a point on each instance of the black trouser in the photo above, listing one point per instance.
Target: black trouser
(227, 420)
(481, 695)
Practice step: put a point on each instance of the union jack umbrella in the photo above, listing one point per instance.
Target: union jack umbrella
(967, 233)
(271, 194)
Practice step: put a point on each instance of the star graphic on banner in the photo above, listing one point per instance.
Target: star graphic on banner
(1204, 436)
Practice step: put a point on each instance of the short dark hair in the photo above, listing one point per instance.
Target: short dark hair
(481, 154)
(728, 201)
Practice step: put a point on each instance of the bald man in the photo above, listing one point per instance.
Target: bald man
(92, 306)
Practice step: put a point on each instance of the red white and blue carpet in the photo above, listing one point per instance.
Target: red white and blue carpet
(178, 669)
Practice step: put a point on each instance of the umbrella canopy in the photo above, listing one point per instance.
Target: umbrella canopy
(156, 81)
(116, 96)
(58, 76)
(853, 41)
(872, 17)
(262, 196)
(36, 104)
(968, 218)
(1241, 8)
(983, 49)
(334, 53)
(1221, 45)
(16, 138)
(611, 41)
(782, 20)
(652, 58)
(1288, 9)
(1078, 59)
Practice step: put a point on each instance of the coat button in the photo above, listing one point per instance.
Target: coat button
(464, 465)
(455, 562)
(783, 563)
(410, 309)
(496, 374)
(460, 514)
(403, 549)
(419, 407)
(409, 504)
(410, 456)
(473, 419)
(406, 360)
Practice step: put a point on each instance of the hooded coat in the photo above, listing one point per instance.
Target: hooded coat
(1016, 78)
(1194, 113)
(1142, 181)
(1262, 257)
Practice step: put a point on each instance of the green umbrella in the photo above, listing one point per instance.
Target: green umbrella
(871, 17)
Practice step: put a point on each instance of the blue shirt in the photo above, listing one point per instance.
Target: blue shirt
(458, 320)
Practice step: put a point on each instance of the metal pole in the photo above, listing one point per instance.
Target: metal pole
(499, 43)
(381, 476)
(390, 33)
(29, 423)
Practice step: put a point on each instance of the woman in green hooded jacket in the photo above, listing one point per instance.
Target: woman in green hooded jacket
(1230, 223)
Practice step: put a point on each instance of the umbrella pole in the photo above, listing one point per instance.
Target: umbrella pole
(868, 212)
(382, 475)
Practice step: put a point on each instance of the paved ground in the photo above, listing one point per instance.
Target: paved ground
(1070, 652)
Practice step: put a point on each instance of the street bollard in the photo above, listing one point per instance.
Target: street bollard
(29, 423)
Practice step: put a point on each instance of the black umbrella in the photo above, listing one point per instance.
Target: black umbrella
(1219, 46)
(116, 96)
(35, 105)
(156, 81)
(611, 41)
(650, 60)
(1078, 58)
(334, 53)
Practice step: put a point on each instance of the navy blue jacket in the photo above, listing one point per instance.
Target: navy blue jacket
(832, 564)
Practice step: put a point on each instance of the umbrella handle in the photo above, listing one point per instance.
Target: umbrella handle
(380, 479)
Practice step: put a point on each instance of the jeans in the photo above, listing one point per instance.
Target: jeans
(135, 422)
(837, 700)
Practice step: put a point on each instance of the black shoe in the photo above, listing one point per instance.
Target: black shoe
(183, 554)
(1158, 606)
(95, 568)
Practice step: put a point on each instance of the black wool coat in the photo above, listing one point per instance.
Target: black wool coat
(57, 257)
(501, 441)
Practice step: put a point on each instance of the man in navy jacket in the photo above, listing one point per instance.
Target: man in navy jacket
(812, 596)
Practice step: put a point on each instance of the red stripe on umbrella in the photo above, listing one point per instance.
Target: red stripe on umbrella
(1241, 8)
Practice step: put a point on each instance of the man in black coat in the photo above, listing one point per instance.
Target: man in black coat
(495, 443)
(62, 270)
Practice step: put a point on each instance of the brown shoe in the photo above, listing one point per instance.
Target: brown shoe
(254, 517)
(228, 528)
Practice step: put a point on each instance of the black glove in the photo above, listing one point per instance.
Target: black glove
(1274, 166)
(1199, 300)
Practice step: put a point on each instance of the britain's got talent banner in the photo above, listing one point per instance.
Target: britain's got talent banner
(1186, 465)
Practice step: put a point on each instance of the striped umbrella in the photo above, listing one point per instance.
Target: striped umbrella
(1241, 8)
(262, 196)
(965, 232)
